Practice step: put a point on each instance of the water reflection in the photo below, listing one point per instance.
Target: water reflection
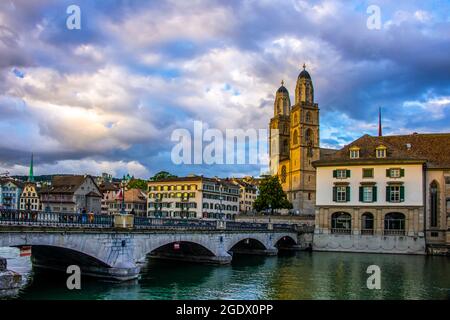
(303, 275)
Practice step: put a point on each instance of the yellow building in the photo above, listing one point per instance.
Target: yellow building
(294, 143)
(29, 199)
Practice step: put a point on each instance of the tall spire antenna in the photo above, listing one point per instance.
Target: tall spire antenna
(282, 82)
(380, 129)
(31, 174)
(304, 66)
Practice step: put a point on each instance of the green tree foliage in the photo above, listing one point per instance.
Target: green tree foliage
(271, 195)
(162, 175)
(137, 184)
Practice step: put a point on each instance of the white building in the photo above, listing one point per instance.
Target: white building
(371, 194)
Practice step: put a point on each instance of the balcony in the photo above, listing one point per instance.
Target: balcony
(341, 231)
(394, 232)
(367, 232)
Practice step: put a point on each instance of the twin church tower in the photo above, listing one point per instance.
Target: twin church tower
(294, 143)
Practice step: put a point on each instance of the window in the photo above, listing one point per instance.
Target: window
(283, 174)
(380, 152)
(341, 173)
(434, 204)
(394, 224)
(341, 222)
(395, 173)
(367, 194)
(395, 193)
(309, 138)
(367, 173)
(295, 139)
(341, 194)
(354, 153)
(367, 223)
(308, 116)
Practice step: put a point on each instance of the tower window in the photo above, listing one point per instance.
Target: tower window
(283, 174)
(308, 116)
(309, 135)
(295, 138)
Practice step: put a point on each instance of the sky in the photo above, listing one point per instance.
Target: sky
(108, 96)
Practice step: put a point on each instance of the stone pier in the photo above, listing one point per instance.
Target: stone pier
(10, 281)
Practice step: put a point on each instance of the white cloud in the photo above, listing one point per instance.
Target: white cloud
(83, 166)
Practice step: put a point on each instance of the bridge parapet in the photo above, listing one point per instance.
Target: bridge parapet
(130, 222)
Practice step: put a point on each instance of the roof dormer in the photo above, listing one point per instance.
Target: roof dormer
(381, 151)
(354, 152)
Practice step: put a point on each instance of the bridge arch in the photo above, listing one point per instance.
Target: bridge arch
(76, 248)
(284, 242)
(188, 243)
(258, 241)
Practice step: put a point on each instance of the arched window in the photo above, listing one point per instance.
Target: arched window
(434, 204)
(308, 116)
(285, 146)
(394, 224)
(295, 138)
(283, 174)
(367, 223)
(309, 136)
(341, 222)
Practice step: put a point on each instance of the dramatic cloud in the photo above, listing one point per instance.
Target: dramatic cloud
(107, 97)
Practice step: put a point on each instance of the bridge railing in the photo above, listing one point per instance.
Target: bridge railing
(233, 225)
(55, 219)
(75, 220)
(164, 223)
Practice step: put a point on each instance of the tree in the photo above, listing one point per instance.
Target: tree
(137, 184)
(162, 175)
(271, 195)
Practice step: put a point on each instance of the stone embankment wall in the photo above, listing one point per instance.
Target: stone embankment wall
(10, 281)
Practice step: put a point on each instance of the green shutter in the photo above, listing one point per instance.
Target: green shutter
(347, 194)
(334, 194)
(402, 172)
(374, 194)
(388, 173)
(334, 173)
(347, 174)
(361, 194)
(402, 193)
(388, 194)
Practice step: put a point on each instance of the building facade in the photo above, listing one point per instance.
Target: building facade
(135, 203)
(29, 199)
(193, 197)
(294, 143)
(10, 191)
(72, 194)
(247, 195)
(383, 194)
(109, 192)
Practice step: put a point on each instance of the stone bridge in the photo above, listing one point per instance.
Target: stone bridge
(115, 247)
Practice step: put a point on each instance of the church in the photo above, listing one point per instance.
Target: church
(295, 143)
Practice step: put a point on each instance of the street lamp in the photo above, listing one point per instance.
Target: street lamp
(122, 211)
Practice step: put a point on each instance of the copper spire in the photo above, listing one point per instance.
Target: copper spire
(380, 130)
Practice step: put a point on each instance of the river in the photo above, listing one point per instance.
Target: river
(301, 275)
